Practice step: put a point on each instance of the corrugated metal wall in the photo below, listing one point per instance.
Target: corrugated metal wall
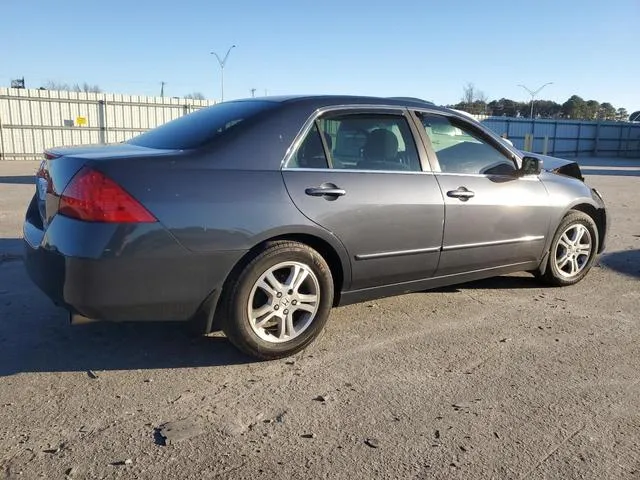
(570, 137)
(32, 120)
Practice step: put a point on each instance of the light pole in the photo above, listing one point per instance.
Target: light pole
(222, 63)
(533, 94)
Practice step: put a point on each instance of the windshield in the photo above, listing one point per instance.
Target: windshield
(199, 128)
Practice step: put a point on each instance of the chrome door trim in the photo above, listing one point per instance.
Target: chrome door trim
(397, 253)
(528, 178)
(354, 170)
(526, 239)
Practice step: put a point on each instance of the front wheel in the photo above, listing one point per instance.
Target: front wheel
(573, 250)
(279, 302)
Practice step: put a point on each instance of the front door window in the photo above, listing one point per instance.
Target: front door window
(461, 150)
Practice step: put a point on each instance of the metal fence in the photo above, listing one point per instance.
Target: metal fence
(32, 120)
(569, 137)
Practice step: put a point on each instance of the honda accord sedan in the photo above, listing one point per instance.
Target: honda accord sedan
(258, 216)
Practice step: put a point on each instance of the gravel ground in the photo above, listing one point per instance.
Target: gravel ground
(494, 379)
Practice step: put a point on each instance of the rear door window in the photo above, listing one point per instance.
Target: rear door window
(310, 153)
(359, 142)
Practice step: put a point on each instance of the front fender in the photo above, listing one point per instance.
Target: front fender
(567, 193)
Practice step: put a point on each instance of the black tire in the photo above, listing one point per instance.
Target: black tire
(555, 276)
(234, 313)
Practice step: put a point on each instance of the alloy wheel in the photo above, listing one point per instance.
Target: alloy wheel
(573, 250)
(283, 302)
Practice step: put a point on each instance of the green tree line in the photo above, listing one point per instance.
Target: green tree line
(475, 101)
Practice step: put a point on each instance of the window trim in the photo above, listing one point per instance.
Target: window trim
(486, 135)
(325, 148)
(397, 110)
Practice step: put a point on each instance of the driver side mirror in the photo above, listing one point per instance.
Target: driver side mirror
(530, 166)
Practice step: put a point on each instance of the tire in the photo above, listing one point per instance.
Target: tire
(568, 263)
(260, 329)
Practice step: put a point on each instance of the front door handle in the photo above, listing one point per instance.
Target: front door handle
(328, 191)
(461, 193)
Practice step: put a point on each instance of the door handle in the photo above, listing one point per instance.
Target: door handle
(461, 193)
(325, 191)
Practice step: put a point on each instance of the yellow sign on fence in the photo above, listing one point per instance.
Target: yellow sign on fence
(80, 121)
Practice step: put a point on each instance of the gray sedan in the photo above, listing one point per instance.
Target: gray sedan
(258, 216)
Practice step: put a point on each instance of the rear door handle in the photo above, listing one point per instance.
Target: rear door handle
(325, 191)
(461, 193)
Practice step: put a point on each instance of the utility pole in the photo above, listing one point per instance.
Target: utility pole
(222, 63)
(253, 92)
(533, 94)
(162, 88)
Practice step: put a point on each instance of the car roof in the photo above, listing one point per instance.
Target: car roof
(318, 101)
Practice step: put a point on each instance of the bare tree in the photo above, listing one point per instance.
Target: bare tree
(470, 94)
(52, 85)
(85, 87)
(195, 96)
(89, 88)
(473, 100)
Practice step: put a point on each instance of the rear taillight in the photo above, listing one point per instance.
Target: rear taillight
(94, 197)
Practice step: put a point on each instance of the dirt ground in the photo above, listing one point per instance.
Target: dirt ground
(494, 379)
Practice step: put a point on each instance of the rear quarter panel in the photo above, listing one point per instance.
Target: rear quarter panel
(210, 208)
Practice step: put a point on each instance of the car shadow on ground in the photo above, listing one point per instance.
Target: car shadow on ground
(505, 282)
(35, 336)
(50, 344)
(626, 262)
(10, 248)
(18, 180)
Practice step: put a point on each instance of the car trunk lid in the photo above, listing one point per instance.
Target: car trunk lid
(61, 164)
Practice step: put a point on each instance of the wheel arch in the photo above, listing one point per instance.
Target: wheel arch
(330, 248)
(598, 215)
(328, 252)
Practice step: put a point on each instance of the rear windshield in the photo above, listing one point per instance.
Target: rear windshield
(199, 128)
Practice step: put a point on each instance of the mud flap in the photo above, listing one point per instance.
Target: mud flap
(202, 322)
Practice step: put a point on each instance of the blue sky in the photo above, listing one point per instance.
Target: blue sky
(427, 49)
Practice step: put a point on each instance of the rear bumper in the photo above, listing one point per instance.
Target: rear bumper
(104, 273)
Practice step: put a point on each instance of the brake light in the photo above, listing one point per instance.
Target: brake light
(94, 197)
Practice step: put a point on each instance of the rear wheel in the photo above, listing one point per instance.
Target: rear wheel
(573, 250)
(279, 302)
